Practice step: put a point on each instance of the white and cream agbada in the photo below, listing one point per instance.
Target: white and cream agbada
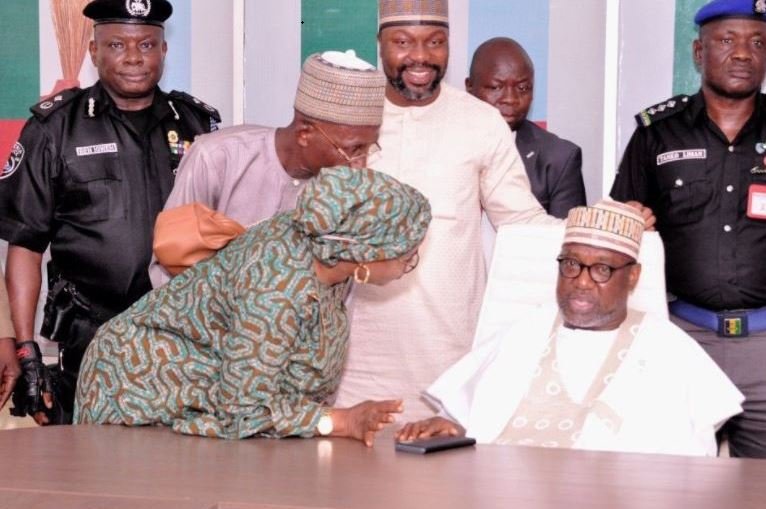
(591, 373)
(664, 396)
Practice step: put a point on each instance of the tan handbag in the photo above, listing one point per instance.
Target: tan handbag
(191, 233)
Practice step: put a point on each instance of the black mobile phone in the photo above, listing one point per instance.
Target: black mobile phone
(434, 444)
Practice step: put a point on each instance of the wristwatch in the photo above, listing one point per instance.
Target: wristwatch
(325, 425)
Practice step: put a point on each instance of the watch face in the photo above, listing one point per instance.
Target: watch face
(324, 426)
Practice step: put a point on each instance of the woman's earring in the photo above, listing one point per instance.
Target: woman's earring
(359, 279)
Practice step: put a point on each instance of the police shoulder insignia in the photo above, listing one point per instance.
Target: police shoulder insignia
(50, 104)
(196, 103)
(14, 161)
(662, 110)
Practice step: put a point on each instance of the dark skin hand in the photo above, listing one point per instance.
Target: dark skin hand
(23, 279)
(427, 428)
(364, 420)
(9, 369)
(649, 218)
(40, 418)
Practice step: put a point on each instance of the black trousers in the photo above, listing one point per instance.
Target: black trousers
(744, 362)
(71, 352)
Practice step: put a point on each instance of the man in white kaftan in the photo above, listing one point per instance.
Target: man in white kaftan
(668, 395)
(589, 374)
(457, 151)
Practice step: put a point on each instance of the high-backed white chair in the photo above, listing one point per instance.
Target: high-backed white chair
(524, 271)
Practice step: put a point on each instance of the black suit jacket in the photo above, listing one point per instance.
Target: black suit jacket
(554, 167)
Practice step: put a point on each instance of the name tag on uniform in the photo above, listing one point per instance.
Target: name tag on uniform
(756, 201)
(92, 150)
(681, 155)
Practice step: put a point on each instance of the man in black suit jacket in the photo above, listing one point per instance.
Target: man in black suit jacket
(503, 75)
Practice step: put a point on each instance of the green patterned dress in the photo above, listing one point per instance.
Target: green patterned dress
(247, 343)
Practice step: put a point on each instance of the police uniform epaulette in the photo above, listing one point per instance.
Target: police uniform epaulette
(662, 110)
(47, 106)
(196, 103)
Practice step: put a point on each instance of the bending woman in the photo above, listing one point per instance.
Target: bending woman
(252, 341)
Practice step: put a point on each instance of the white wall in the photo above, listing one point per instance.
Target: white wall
(272, 60)
(457, 70)
(581, 77)
(647, 29)
(576, 81)
(213, 49)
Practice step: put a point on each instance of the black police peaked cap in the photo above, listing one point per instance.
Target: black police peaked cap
(140, 12)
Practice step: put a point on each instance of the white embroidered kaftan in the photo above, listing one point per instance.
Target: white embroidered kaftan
(461, 155)
(668, 394)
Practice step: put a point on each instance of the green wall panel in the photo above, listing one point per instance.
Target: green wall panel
(340, 25)
(686, 78)
(19, 57)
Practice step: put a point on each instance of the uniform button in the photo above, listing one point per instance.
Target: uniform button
(731, 148)
(729, 189)
(679, 182)
(296, 182)
(727, 228)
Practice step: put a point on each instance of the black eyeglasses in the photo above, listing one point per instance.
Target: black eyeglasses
(372, 149)
(411, 263)
(599, 272)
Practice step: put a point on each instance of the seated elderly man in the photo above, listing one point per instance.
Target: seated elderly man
(591, 374)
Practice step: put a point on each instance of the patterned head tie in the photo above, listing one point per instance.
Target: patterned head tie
(360, 215)
(609, 225)
(720, 9)
(341, 88)
(412, 12)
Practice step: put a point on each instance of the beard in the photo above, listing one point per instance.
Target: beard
(596, 318)
(397, 81)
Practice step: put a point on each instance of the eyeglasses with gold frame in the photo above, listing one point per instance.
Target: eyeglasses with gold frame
(373, 149)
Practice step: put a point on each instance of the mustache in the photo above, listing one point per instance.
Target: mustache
(397, 80)
(741, 67)
(587, 297)
(400, 70)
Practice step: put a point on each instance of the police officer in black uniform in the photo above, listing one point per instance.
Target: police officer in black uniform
(89, 174)
(698, 162)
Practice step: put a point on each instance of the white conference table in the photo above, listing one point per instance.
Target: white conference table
(116, 467)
